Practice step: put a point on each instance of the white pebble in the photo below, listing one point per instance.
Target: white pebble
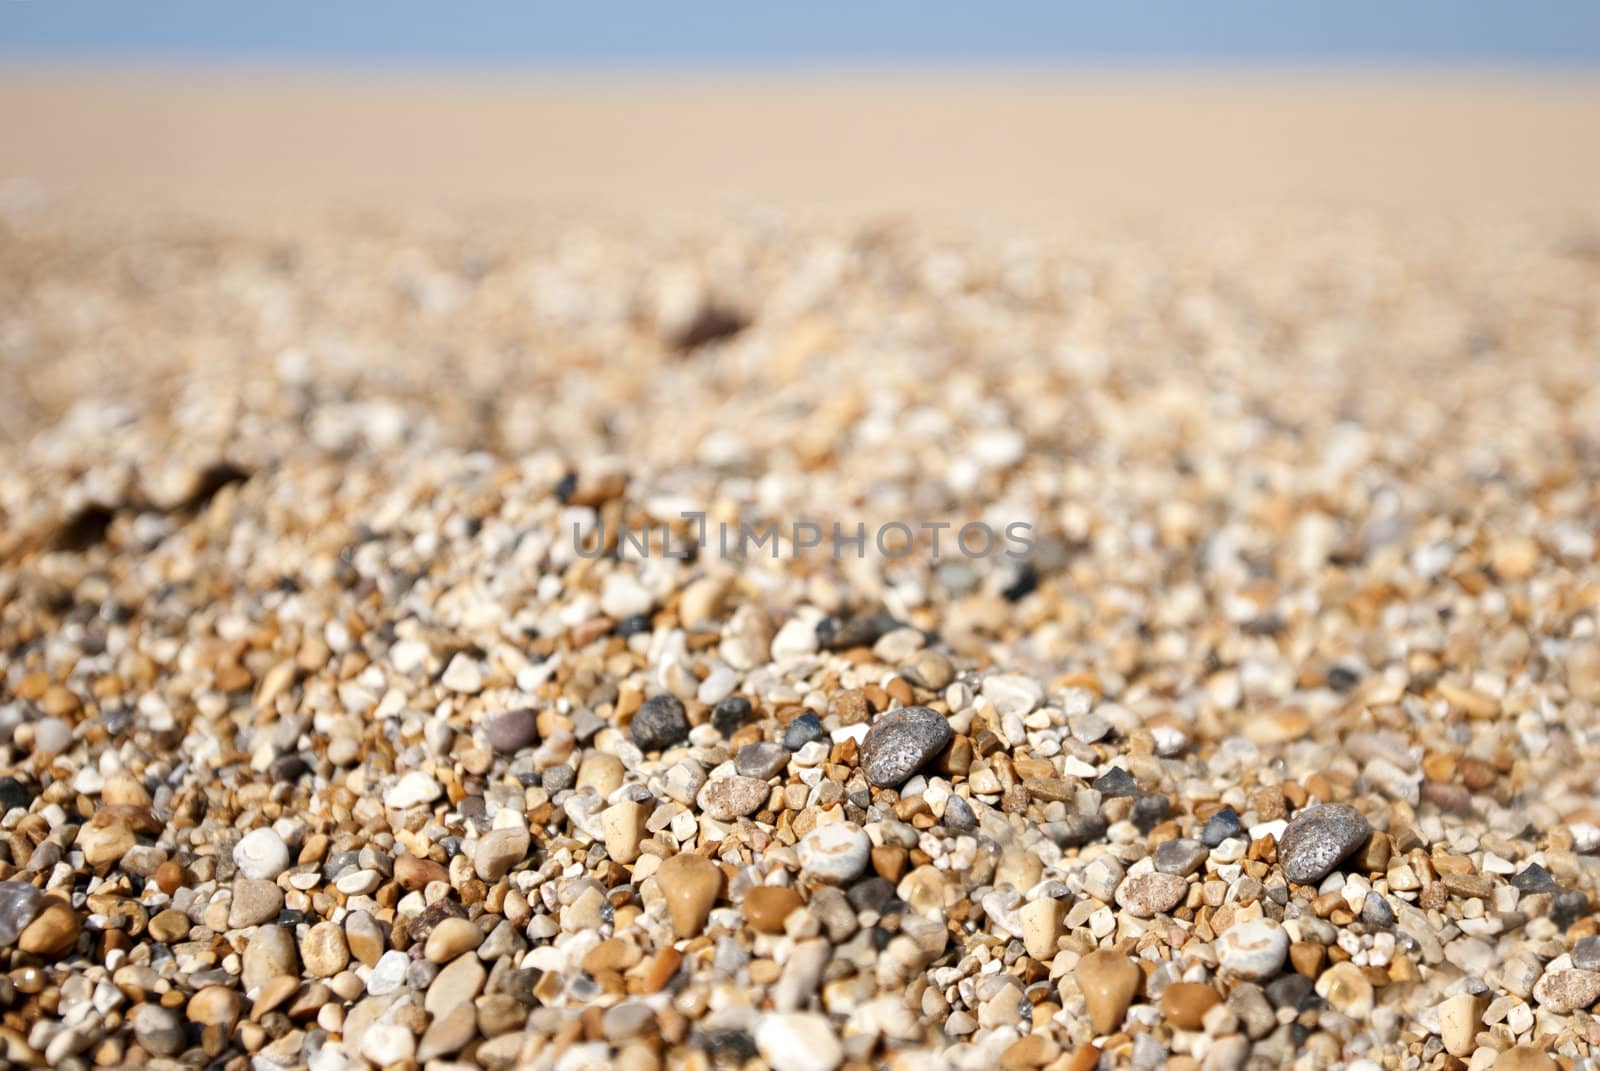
(261, 854)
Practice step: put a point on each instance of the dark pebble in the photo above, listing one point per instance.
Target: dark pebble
(511, 732)
(870, 895)
(13, 793)
(1586, 954)
(730, 715)
(729, 1046)
(1568, 906)
(1375, 911)
(1150, 810)
(1534, 878)
(1115, 782)
(1289, 991)
(804, 729)
(287, 769)
(862, 630)
(1076, 830)
(958, 816)
(1343, 678)
(519, 984)
(659, 723)
(1220, 826)
(632, 626)
(901, 742)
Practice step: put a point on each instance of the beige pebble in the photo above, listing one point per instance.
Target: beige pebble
(690, 884)
(1108, 981)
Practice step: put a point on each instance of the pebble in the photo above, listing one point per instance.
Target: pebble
(324, 951)
(452, 938)
(509, 733)
(798, 1041)
(1180, 856)
(1253, 949)
(412, 790)
(691, 884)
(388, 1044)
(728, 798)
(1150, 894)
(1565, 991)
(254, 901)
(499, 851)
(215, 1005)
(762, 760)
(1221, 826)
(836, 853)
(766, 906)
(623, 826)
(1460, 1019)
(1108, 981)
(803, 730)
(1042, 926)
(269, 952)
(458, 982)
(659, 724)
(53, 931)
(730, 715)
(389, 973)
(51, 736)
(1319, 838)
(900, 742)
(1184, 1004)
(261, 854)
(158, 1029)
(413, 873)
(1347, 990)
(20, 904)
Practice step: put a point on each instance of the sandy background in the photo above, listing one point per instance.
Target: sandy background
(1021, 155)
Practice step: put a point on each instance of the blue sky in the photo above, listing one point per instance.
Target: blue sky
(532, 35)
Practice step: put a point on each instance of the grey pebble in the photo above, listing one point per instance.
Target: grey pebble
(1375, 911)
(659, 723)
(900, 742)
(1586, 954)
(20, 903)
(558, 778)
(513, 731)
(1180, 856)
(763, 760)
(804, 729)
(958, 816)
(1318, 839)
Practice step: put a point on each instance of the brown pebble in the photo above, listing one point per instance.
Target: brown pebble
(1184, 1004)
(766, 906)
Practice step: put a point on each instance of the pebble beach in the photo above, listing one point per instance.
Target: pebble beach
(336, 731)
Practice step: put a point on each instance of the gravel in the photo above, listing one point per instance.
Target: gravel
(320, 743)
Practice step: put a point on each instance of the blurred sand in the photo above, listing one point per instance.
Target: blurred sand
(1022, 155)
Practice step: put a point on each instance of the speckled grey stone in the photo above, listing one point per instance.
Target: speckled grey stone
(901, 742)
(20, 903)
(659, 723)
(1318, 839)
(1180, 856)
(763, 759)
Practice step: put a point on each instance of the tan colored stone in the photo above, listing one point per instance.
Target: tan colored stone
(690, 884)
(1108, 980)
